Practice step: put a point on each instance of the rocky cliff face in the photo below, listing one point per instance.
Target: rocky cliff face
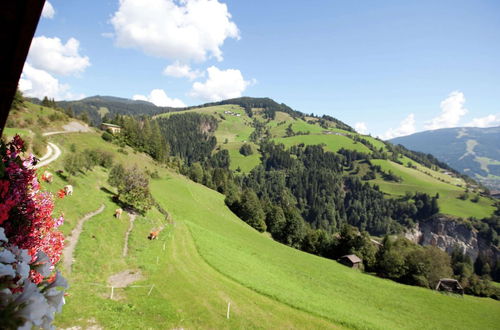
(447, 233)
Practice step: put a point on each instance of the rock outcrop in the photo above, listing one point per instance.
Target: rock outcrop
(448, 233)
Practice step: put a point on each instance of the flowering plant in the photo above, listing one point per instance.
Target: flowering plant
(30, 244)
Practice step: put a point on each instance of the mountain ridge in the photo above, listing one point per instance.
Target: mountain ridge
(473, 151)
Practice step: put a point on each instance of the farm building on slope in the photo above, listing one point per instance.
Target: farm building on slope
(351, 260)
(449, 285)
(114, 129)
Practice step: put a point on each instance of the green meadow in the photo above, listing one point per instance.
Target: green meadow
(332, 142)
(311, 284)
(417, 181)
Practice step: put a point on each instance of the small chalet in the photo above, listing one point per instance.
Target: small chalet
(449, 285)
(114, 129)
(351, 260)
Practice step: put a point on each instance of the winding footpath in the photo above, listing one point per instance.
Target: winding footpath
(69, 249)
(127, 234)
(53, 152)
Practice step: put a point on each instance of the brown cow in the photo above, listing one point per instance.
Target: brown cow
(153, 235)
(118, 213)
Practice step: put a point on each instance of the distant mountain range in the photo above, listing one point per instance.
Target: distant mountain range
(471, 150)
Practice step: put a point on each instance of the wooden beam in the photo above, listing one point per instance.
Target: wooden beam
(18, 22)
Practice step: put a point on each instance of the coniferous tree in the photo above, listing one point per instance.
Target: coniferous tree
(251, 210)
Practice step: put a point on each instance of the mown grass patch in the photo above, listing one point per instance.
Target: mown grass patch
(244, 163)
(316, 285)
(332, 142)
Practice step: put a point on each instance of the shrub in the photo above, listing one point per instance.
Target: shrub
(246, 150)
(42, 122)
(106, 136)
(132, 186)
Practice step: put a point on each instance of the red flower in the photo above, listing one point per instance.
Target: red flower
(25, 211)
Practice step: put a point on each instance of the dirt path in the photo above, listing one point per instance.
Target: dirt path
(52, 154)
(125, 278)
(53, 151)
(69, 249)
(127, 234)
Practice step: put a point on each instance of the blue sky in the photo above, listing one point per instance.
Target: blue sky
(389, 68)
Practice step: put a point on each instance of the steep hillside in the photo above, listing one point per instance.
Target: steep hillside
(471, 150)
(206, 260)
(236, 128)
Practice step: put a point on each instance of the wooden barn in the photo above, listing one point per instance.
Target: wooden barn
(351, 260)
(449, 285)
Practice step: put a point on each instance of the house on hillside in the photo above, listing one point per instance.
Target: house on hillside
(449, 285)
(351, 260)
(114, 129)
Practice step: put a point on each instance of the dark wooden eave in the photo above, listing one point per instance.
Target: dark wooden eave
(18, 22)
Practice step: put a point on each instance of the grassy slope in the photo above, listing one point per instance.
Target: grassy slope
(268, 284)
(332, 142)
(414, 180)
(187, 293)
(309, 283)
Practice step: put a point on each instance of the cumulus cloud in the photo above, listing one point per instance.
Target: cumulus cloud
(159, 98)
(220, 85)
(452, 109)
(181, 30)
(51, 55)
(361, 128)
(406, 127)
(48, 11)
(39, 83)
(179, 70)
(487, 121)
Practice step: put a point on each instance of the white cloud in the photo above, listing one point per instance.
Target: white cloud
(159, 98)
(487, 121)
(452, 109)
(361, 128)
(220, 85)
(39, 83)
(180, 30)
(51, 55)
(406, 127)
(179, 70)
(48, 11)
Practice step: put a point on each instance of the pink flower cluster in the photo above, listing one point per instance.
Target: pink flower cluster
(25, 211)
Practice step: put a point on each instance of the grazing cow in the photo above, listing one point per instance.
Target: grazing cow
(118, 213)
(68, 189)
(47, 177)
(153, 235)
